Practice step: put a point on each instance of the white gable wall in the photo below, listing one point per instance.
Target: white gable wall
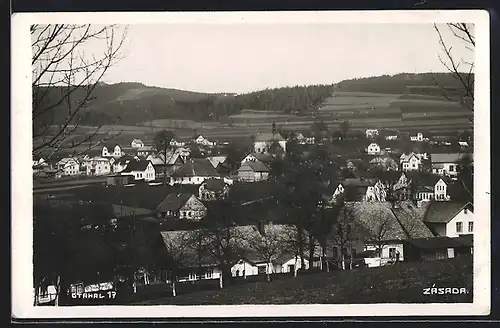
(464, 217)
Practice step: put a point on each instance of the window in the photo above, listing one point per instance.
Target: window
(209, 273)
(335, 252)
(183, 214)
(452, 168)
(459, 227)
(465, 211)
(392, 252)
(189, 214)
(193, 276)
(261, 269)
(471, 226)
(353, 252)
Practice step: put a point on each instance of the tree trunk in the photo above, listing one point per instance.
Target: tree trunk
(134, 286)
(312, 246)
(58, 291)
(295, 267)
(174, 291)
(343, 261)
(145, 276)
(301, 247)
(221, 282)
(269, 268)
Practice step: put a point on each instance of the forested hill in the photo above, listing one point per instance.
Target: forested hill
(132, 103)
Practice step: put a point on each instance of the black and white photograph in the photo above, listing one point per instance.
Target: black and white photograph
(268, 160)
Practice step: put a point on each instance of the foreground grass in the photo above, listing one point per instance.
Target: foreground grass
(393, 284)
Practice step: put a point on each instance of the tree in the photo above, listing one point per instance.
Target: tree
(344, 232)
(344, 128)
(268, 245)
(64, 79)
(324, 226)
(380, 227)
(461, 69)
(276, 149)
(177, 247)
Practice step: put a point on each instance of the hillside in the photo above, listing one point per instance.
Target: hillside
(398, 98)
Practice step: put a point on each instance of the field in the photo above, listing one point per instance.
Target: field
(403, 283)
(402, 112)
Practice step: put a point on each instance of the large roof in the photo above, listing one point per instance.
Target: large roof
(136, 166)
(216, 160)
(264, 158)
(435, 242)
(254, 166)
(173, 202)
(214, 184)
(196, 167)
(443, 212)
(449, 157)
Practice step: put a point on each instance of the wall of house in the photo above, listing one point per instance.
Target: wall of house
(209, 273)
(250, 270)
(296, 262)
(251, 176)
(465, 216)
(189, 180)
(46, 295)
(193, 210)
(441, 191)
(449, 169)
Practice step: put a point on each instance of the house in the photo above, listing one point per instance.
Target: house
(194, 171)
(264, 142)
(141, 170)
(119, 180)
(385, 163)
(67, 166)
(412, 161)
(201, 140)
(447, 163)
(393, 137)
(175, 143)
(144, 151)
(137, 143)
(371, 133)
(437, 248)
(463, 144)
(289, 263)
(265, 159)
(45, 294)
(98, 166)
(112, 151)
(383, 230)
(253, 171)
(430, 187)
(213, 189)
(181, 206)
(305, 139)
(373, 149)
(166, 165)
(419, 137)
(450, 219)
(359, 189)
(121, 163)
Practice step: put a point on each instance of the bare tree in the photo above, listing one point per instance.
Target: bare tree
(268, 245)
(64, 77)
(381, 226)
(344, 232)
(179, 253)
(461, 69)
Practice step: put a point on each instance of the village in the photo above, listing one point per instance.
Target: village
(285, 204)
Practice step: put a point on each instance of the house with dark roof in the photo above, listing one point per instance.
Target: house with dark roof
(213, 189)
(446, 164)
(253, 171)
(140, 170)
(181, 206)
(264, 141)
(194, 171)
(137, 143)
(145, 151)
(121, 163)
(437, 248)
(450, 219)
(412, 161)
(427, 187)
(359, 189)
(265, 159)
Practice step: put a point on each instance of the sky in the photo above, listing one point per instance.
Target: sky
(248, 57)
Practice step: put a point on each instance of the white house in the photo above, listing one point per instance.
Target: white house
(450, 219)
(46, 294)
(391, 251)
(371, 133)
(289, 264)
(419, 137)
(67, 166)
(141, 170)
(121, 163)
(194, 171)
(264, 141)
(253, 171)
(373, 149)
(201, 140)
(112, 151)
(411, 161)
(137, 143)
(437, 190)
(175, 143)
(446, 164)
(391, 137)
(463, 144)
(98, 166)
(181, 206)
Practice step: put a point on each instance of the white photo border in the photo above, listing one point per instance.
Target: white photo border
(22, 184)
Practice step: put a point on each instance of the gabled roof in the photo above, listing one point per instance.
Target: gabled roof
(173, 202)
(136, 166)
(410, 218)
(216, 160)
(145, 148)
(110, 146)
(421, 179)
(124, 159)
(358, 182)
(443, 212)
(269, 136)
(196, 167)
(449, 157)
(264, 158)
(254, 166)
(214, 184)
(137, 141)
